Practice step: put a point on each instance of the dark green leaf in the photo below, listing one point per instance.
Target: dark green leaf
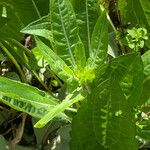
(104, 120)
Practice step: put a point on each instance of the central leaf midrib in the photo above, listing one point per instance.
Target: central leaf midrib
(64, 30)
(88, 28)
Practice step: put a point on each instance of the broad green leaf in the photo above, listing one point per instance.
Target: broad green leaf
(64, 29)
(69, 100)
(132, 11)
(124, 69)
(87, 13)
(23, 97)
(40, 27)
(146, 63)
(146, 83)
(57, 65)
(99, 41)
(104, 120)
(146, 8)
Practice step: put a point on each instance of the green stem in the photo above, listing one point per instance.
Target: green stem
(23, 78)
(21, 46)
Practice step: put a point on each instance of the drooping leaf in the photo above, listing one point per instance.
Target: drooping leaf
(103, 120)
(23, 97)
(64, 29)
(87, 13)
(99, 41)
(69, 100)
(40, 27)
(57, 65)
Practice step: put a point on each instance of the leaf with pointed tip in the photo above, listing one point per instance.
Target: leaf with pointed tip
(41, 27)
(23, 97)
(58, 66)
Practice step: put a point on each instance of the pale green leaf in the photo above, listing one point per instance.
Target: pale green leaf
(23, 97)
(80, 55)
(99, 41)
(69, 100)
(64, 29)
(87, 13)
(40, 27)
(57, 65)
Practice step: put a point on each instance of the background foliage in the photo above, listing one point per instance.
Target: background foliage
(74, 74)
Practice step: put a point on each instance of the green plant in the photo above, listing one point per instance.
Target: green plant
(135, 38)
(98, 95)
